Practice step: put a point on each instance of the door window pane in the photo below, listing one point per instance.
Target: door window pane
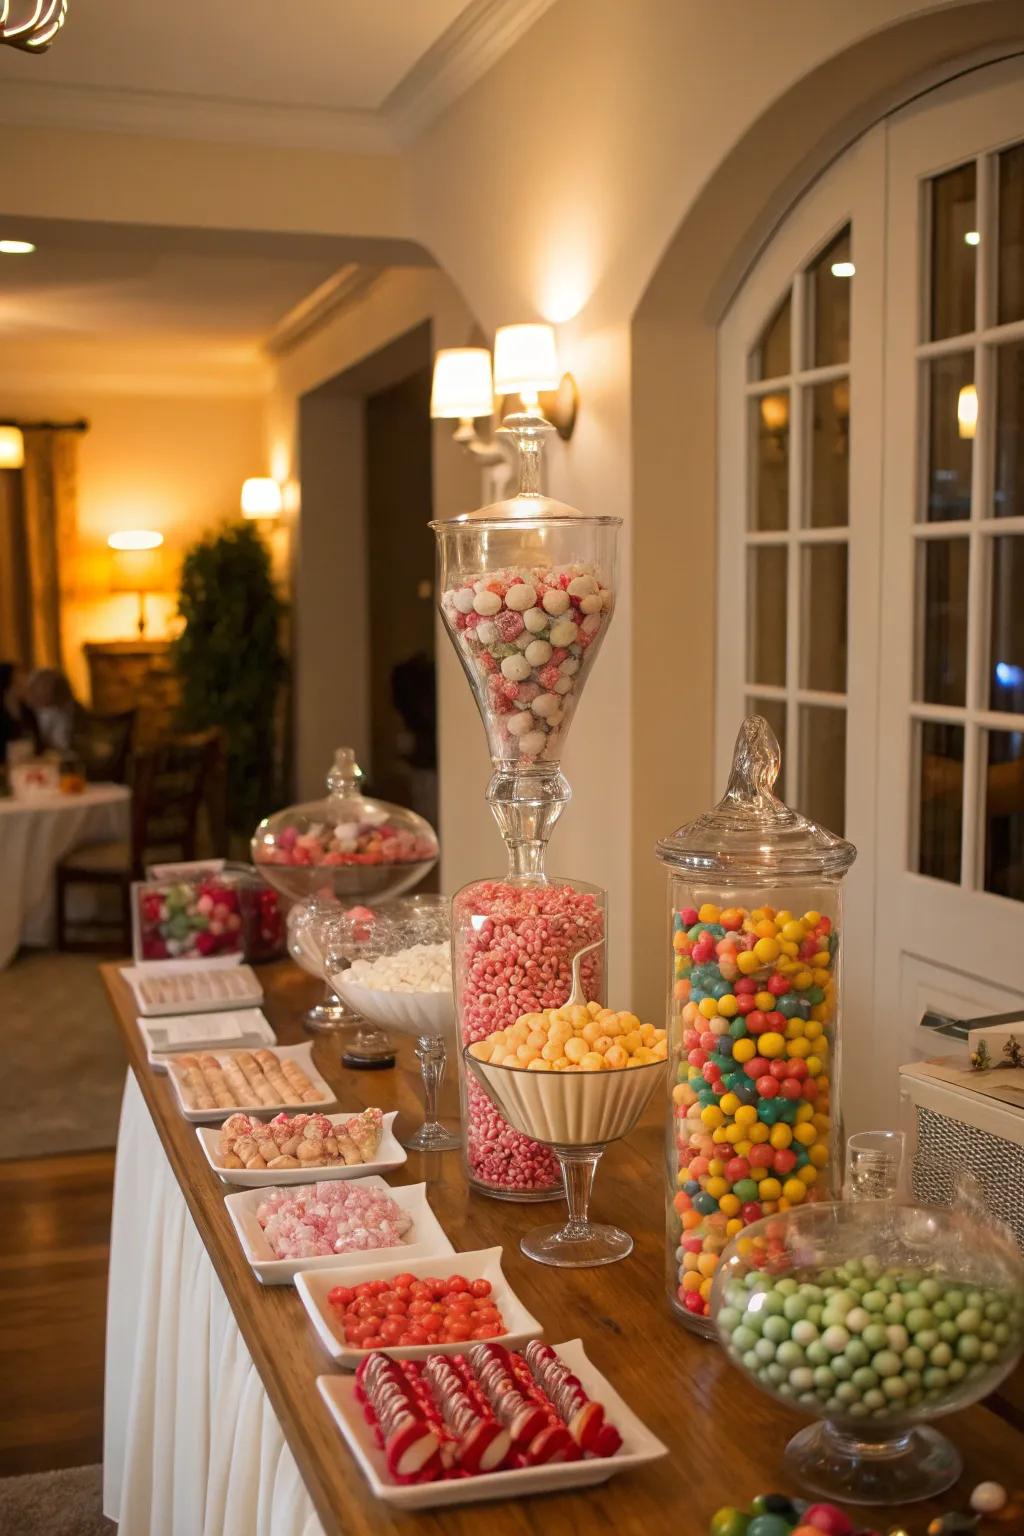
(1011, 234)
(941, 799)
(1008, 477)
(950, 437)
(823, 766)
(1004, 814)
(828, 305)
(770, 359)
(943, 621)
(766, 605)
(828, 412)
(774, 711)
(769, 428)
(823, 632)
(1006, 679)
(954, 257)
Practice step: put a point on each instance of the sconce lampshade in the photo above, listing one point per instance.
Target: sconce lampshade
(525, 358)
(261, 497)
(967, 411)
(12, 448)
(463, 387)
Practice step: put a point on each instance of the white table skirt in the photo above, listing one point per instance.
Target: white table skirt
(192, 1446)
(34, 836)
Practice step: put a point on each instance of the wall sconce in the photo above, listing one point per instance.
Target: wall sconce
(137, 565)
(967, 411)
(462, 391)
(12, 448)
(525, 365)
(31, 24)
(774, 413)
(261, 497)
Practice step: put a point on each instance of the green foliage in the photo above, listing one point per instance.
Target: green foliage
(230, 662)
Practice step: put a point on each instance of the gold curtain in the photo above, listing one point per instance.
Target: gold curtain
(38, 515)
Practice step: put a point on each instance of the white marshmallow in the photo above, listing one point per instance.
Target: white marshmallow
(521, 722)
(545, 704)
(520, 597)
(487, 632)
(592, 604)
(515, 668)
(591, 624)
(463, 599)
(569, 667)
(555, 601)
(533, 744)
(564, 685)
(536, 620)
(487, 603)
(582, 586)
(564, 632)
(538, 652)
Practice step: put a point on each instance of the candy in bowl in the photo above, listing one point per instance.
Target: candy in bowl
(875, 1317)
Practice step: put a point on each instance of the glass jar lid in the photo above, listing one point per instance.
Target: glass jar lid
(751, 834)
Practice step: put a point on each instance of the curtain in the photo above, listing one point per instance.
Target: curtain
(37, 546)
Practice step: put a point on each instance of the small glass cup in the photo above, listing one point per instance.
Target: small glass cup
(875, 1165)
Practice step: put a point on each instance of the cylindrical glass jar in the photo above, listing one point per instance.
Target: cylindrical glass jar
(755, 918)
(513, 942)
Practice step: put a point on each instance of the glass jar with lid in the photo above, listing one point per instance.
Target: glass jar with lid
(754, 933)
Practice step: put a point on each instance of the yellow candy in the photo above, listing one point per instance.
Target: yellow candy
(707, 1263)
(708, 913)
(812, 1030)
(818, 1154)
(804, 1111)
(742, 1147)
(575, 1049)
(784, 917)
(781, 1135)
(728, 1007)
(733, 1226)
(772, 1045)
(770, 1189)
(812, 918)
(820, 1013)
(765, 929)
(744, 1050)
(729, 1205)
(766, 950)
(758, 1131)
(705, 1290)
(734, 1134)
(815, 1066)
(717, 1188)
(790, 949)
(808, 1174)
(616, 1057)
(795, 931)
(805, 1134)
(801, 1049)
(721, 1134)
(822, 958)
(765, 1001)
(745, 1115)
(747, 962)
(729, 1103)
(821, 1122)
(794, 1027)
(712, 1116)
(803, 979)
(538, 1064)
(708, 1007)
(795, 1190)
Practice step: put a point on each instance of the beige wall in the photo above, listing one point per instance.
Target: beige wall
(172, 463)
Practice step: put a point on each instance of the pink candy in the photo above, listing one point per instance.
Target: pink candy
(517, 960)
(316, 1220)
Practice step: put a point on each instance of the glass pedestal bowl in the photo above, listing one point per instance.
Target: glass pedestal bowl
(875, 1317)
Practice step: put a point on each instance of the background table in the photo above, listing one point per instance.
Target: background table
(207, 1370)
(34, 836)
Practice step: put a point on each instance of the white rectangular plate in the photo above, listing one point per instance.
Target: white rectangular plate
(244, 1029)
(484, 1264)
(639, 1446)
(183, 986)
(390, 1154)
(302, 1054)
(425, 1237)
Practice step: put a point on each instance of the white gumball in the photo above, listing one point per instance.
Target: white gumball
(582, 586)
(487, 603)
(555, 601)
(520, 723)
(564, 685)
(592, 604)
(988, 1498)
(564, 632)
(532, 744)
(546, 704)
(463, 599)
(536, 620)
(538, 653)
(569, 667)
(520, 597)
(515, 668)
(487, 632)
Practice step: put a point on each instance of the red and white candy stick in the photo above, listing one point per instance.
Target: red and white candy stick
(482, 1442)
(583, 1417)
(412, 1446)
(523, 1419)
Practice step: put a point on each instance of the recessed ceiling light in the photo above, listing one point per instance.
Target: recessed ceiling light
(16, 247)
(843, 269)
(972, 237)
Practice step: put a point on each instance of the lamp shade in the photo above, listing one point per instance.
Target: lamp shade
(138, 564)
(463, 386)
(525, 357)
(261, 497)
(12, 448)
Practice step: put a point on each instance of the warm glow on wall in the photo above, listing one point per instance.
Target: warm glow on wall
(261, 497)
(12, 448)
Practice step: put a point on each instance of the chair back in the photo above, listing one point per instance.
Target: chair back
(168, 785)
(103, 744)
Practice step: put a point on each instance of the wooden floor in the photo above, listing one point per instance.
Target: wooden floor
(54, 1248)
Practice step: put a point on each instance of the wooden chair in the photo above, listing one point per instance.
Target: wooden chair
(103, 744)
(168, 786)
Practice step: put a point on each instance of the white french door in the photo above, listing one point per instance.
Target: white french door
(871, 554)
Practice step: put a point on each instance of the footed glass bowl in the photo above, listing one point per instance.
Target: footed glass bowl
(874, 1317)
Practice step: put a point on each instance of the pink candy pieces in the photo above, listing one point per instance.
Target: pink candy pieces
(320, 1219)
(513, 955)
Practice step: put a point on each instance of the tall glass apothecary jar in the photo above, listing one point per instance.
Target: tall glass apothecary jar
(754, 932)
(526, 588)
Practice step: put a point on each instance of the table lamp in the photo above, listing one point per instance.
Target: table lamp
(138, 565)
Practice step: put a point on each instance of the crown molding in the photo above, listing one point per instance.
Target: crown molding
(340, 290)
(463, 53)
(225, 384)
(475, 41)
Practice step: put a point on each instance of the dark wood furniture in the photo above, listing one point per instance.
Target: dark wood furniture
(103, 744)
(725, 1438)
(135, 674)
(169, 783)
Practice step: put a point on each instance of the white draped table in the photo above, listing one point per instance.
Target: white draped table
(34, 836)
(192, 1446)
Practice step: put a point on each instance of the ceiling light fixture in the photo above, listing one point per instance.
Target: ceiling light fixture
(843, 269)
(31, 24)
(16, 247)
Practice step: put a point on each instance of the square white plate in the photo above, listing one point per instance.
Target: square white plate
(390, 1154)
(302, 1054)
(244, 1029)
(484, 1264)
(638, 1447)
(425, 1237)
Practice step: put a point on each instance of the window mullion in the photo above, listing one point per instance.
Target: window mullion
(797, 493)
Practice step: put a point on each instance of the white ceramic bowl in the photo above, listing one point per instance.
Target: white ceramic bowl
(570, 1109)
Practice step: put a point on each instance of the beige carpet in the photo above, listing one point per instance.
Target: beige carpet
(63, 1066)
(67, 1503)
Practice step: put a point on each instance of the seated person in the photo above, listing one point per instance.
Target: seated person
(49, 697)
(17, 721)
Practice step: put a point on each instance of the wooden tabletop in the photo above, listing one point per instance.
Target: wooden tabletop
(725, 1438)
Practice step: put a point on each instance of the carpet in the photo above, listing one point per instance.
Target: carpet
(63, 1065)
(66, 1503)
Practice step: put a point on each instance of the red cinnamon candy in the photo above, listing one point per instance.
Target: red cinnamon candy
(524, 1420)
(582, 1416)
(483, 1443)
(412, 1446)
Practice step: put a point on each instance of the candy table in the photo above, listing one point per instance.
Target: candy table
(214, 1426)
(34, 837)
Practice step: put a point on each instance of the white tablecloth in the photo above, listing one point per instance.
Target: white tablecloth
(34, 837)
(191, 1445)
